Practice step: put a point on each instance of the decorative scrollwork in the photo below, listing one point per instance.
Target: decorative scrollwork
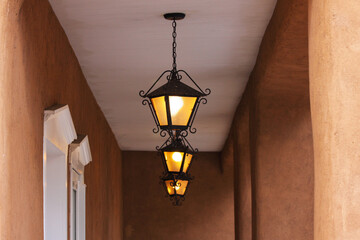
(203, 100)
(189, 145)
(142, 93)
(166, 143)
(145, 101)
(192, 130)
(184, 133)
(175, 184)
(207, 91)
(156, 130)
(163, 133)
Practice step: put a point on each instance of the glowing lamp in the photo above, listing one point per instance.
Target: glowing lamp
(177, 156)
(176, 186)
(174, 104)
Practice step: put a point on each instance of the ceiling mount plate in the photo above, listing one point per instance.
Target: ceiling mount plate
(174, 16)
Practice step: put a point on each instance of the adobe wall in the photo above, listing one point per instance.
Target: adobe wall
(38, 69)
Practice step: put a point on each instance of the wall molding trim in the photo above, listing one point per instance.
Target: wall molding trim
(80, 153)
(59, 117)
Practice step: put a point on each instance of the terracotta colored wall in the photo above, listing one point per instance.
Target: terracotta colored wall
(38, 69)
(237, 152)
(334, 41)
(206, 214)
(272, 135)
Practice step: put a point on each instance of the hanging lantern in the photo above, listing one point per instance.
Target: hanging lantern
(177, 155)
(176, 186)
(174, 104)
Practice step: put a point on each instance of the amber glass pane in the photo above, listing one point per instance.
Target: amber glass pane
(170, 189)
(181, 109)
(188, 158)
(160, 109)
(180, 187)
(173, 160)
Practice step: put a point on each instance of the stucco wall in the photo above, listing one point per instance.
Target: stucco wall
(272, 135)
(38, 68)
(334, 41)
(206, 214)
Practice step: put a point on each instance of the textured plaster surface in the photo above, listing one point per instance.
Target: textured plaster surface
(123, 46)
(206, 214)
(280, 135)
(38, 68)
(334, 44)
(242, 170)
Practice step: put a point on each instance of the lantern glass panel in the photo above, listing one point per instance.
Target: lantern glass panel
(181, 109)
(170, 189)
(160, 109)
(173, 160)
(188, 158)
(178, 187)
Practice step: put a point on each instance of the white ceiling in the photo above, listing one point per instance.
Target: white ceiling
(124, 45)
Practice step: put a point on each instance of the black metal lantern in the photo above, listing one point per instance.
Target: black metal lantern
(177, 155)
(174, 105)
(176, 186)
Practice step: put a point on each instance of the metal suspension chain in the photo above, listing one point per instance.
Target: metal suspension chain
(174, 44)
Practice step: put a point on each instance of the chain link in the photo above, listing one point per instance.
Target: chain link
(174, 44)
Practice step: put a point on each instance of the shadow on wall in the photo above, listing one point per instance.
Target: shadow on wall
(206, 214)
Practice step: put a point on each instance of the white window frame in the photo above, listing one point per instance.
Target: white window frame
(59, 132)
(79, 157)
(63, 152)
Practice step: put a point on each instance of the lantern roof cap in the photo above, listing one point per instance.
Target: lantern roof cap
(177, 145)
(175, 88)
